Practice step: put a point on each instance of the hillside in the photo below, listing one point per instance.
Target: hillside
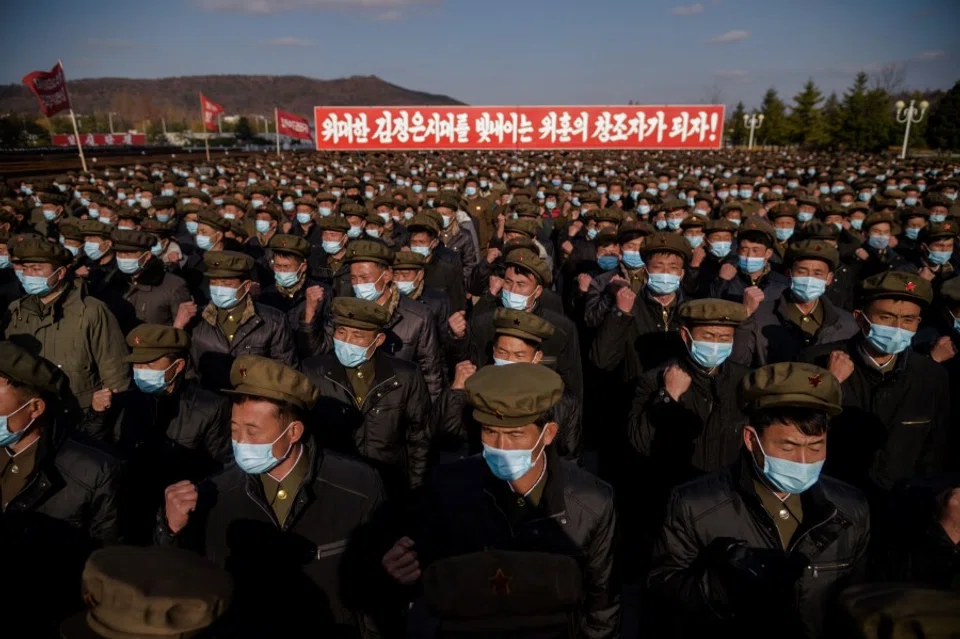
(244, 94)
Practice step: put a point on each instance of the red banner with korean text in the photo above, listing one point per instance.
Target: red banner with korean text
(293, 125)
(50, 88)
(100, 139)
(519, 128)
(210, 111)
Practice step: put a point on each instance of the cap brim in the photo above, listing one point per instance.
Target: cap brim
(513, 332)
(489, 419)
(147, 355)
(265, 393)
(895, 296)
(75, 627)
(797, 400)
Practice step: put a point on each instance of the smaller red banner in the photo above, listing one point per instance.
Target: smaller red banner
(101, 139)
(50, 88)
(293, 125)
(210, 112)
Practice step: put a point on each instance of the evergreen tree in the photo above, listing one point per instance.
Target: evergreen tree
(943, 127)
(807, 127)
(831, 119)
(243, 130)
(774, 130)
(736, 131)
(866, 119)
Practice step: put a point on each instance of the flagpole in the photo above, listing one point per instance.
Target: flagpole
(73, 118)
(276, 122)
(203, 123)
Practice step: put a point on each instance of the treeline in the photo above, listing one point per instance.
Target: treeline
(864, 119)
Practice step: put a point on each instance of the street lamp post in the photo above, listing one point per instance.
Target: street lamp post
(110, 118)
(752, 122)
(909, 115)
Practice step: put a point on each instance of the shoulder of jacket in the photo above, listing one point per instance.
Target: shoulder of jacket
(400, 366)
(705, 494)
(84, 460)
(590, 492)
(265, 311)
(350, 476)
(559, 320)
(927, 367)
(173, 281)
(849, 500)
(408, 306)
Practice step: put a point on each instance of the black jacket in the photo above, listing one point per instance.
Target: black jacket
(412, 335)
(692, 579)
(445, 274)
(772, 283)
(152, 298)
(390, 430)
(309, 337)
(321, 567)
(894, 426)
(464, 509)
(67, 509)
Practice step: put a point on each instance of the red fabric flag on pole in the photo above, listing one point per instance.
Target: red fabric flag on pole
(50, 88)
(293, 126)
(210, 112)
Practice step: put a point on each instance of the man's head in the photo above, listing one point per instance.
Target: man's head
(229, 276)
(158, 355)
(358, 329)
(289, 259)
(708, 329)
(31, 388)
(42, 264)
(370, 268)
(889, 307)
(518, 336)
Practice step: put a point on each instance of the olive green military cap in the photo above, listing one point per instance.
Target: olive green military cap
(608, 215)
(674, 204)
(529, 210)
(892, 610)
(150, 342)
(630, 231)
(720, 226)
(694, 221)
(352, 207)
(666, 243)
(950, 291)
(589, 197)
(131, 240)
(408, 261)
(152, 591)
(910, 212)
(878, 218)
(423, 222)
(56, 198)
(519, 243)
(754, 225)
(712, 312)
(163, 202)
(160, 229)
(525, 258)
(70, 230)
(213, 220)
(33, 248)
(269, 379)
(333, 223)
(369, 251)
(809, 249)
(526, 326)
(523, 226)
(939, 231)
(127, 213)
(896, 285)
(819, 230)
(783, 209)
(325, 196)
(447, 201)
(809, 200)
(357, 313)
(606, 237)
(289, 245)
(227, 264)
(514, 395)
(95, 229)
(790, 384)
(28, 369)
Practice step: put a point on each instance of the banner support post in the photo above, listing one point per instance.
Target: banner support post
(276, 122)
(73, 118)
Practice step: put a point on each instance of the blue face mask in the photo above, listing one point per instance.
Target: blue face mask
(6, 437)
(306, 218)
(643, 209)
(661, 224)
(163, 218)
(255, 459)
(470, 191)
(350, 355)
(368, 291)
(879, 242)
(788, 476)
(865, 197)
(592, 233)
(406, 288)
(750, 264)
(710, 354)
(372, 232)
(256, 203)
(192, 227)
(129, 266)
(166, 192)
(157, 249)
(501, 362)
(910, 201)
(804, 217)
(939, 258)
(5, 261)
(608, 262)
(286, 279)
(938, 218)
(332, 247)
(92, 250)
(514, 301)
(37, 284)
(663, 283)
(674, 223)
(720, 249)
(808, 289)
(891, 340)
(632, 259)
(417, 188)
(784, 234)
(263, 226)
(324, 211)
(354, 232)
(224, 297)
(151, 381)
(49, 216)
(511, 465)
(734, 193)
(856, 223)
(204, 242)
(421, 250)
(694, 240)
(911, 233)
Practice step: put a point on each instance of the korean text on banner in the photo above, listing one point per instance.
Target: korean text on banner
(210, 112)
(101, 139)
(50, 88)
(520, 128)
(293, 125)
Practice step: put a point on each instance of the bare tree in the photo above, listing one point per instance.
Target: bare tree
(891, 78)
(714, 95)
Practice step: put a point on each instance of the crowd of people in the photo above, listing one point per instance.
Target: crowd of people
(458, 394)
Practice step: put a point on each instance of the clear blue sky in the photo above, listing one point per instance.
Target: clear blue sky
(498, 51)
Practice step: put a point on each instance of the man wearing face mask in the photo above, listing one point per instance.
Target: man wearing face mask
(286, 507)
(168, 429)
(411, 332)
(372, 406)
(140, 290)
(912, 222)
(46, 219)
(441, 266)
(752, 280)
(803, 316)
(877, 255)
(58, 494)
(408, 275)
(479, 206)
(166, 249)
(97, 261)
(600, 296)
(896, 403)
(233, 324)
(769, 541)
(456, 232)
(933, 259)
(326, 261)
(304, 300)
(518, 495)
(58, 319)
(10, 287)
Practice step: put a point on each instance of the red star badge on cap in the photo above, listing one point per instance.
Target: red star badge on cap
(516, 322)
(815, 380)
(910, 286)
(243, 371)
(136, 341)
(500, 583)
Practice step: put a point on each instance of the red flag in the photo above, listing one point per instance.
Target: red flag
(293, 125)
(210, 111)
(50, 88)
